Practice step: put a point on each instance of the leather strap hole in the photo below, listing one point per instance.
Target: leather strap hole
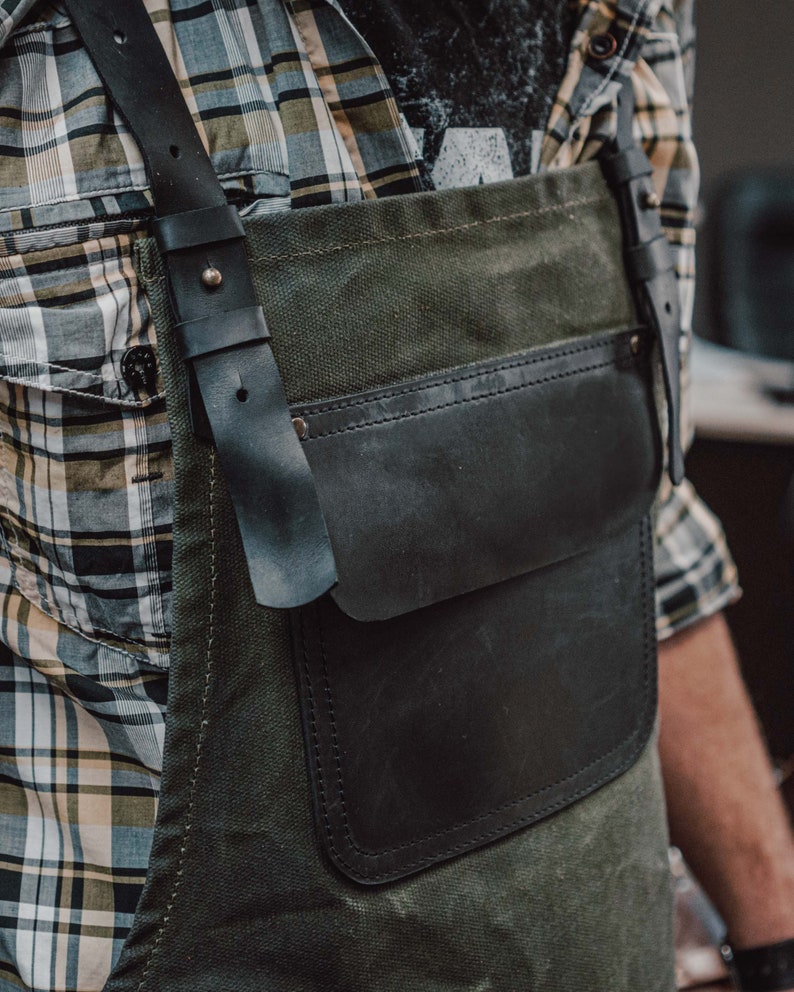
(175, 151)
(242, 395)
(119, 37)
(668, 307)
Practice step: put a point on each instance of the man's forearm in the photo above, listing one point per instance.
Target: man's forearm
(725, 811)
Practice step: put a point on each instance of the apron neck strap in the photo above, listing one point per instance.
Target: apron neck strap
(650, 265)
(235, 390)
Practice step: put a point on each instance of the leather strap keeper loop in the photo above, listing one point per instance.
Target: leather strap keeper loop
(220, 331)
(649, 260)
(628, 164)
(205, 226)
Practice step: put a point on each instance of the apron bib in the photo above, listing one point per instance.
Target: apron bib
(430, 770)
(307, 750)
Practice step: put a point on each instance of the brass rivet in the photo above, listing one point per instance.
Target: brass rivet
(651, 200)
(301, 427)
(635, 344)
(211, 277)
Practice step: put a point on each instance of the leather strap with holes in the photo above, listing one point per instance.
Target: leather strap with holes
(650, 266)
(237, 397)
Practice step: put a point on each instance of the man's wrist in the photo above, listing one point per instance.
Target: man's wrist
(764, 968)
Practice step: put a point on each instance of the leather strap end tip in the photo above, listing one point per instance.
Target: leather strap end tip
(287, 594)
(677, 474)
(676, 469)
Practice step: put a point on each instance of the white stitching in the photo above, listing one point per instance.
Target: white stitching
(614, 69)
(50, 365)
(203, 722)
(441, 230)
(20, 381)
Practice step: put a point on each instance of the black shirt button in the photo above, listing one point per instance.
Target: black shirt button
(139, 367)
(601, 46)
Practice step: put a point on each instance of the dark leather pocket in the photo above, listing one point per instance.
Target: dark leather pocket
(488, 654)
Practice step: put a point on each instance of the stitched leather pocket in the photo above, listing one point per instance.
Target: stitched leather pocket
(488, 654)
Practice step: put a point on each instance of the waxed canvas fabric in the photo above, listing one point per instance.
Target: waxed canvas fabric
(239, 895)
(358, 297)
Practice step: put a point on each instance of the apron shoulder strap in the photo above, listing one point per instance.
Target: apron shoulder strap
(236, 394)
(649, 262)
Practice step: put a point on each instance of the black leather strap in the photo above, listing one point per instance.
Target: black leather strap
(631, 163)
(649, 260)
(769, 968)
(649, 263)
(194, 227)
(204, 335)
(241, 399)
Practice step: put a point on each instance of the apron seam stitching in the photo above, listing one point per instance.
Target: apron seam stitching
(366, 243)
(202, 732)
(639, 728)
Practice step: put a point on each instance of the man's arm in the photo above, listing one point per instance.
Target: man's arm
(725, 811)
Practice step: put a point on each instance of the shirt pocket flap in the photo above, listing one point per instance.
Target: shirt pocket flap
(69, 320)
(85, 463)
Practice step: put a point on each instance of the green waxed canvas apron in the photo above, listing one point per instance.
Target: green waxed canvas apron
(271, 868)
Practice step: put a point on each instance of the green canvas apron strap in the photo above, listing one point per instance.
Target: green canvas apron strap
(236, 391)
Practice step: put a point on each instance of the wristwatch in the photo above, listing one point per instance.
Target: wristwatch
(768, 968)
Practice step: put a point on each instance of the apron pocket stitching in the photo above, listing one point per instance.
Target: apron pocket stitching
(471, 399)
(514, 802)
(516, 363)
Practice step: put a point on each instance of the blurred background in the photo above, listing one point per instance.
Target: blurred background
(743, 398)
(742, 461)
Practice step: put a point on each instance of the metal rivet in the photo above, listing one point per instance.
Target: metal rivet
(211, 277)
(601, 46)
(651, 201)
(635, 344)
(301, 427)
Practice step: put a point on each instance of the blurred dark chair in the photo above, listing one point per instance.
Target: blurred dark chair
(752, 239)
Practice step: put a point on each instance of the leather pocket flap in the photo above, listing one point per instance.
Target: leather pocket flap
(459, 480)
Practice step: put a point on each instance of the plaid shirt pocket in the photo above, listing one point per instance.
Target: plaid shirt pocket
(85, 456)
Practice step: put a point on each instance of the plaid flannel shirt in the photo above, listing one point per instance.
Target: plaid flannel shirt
(295, 111)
